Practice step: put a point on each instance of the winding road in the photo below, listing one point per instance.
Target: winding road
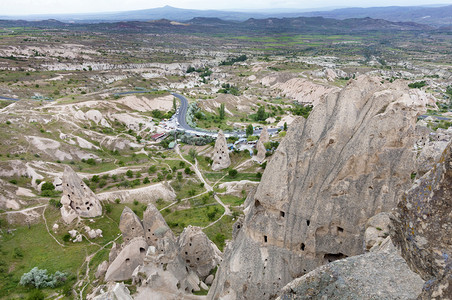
(181, 114)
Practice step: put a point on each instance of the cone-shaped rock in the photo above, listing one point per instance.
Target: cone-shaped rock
(77, 199)
(260, 151)
(350, 160)
(200, 254)
(264, 137)
(221, 158)
(130, 225)
(156, 230)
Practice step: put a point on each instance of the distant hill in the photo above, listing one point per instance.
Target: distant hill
(250, 26)
(437, 16)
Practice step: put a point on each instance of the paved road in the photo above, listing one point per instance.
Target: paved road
(182, 122)
(7, 98)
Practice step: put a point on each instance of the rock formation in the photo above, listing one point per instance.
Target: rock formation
(158, 263)
(376, 275)
(78, 199)
(264, 137)
(130, 225)
(220, 153)
(348, 161)
(130, 257)
(260, 146)
(261, 151)
(377, 229)
(423, 228)
(200, 254)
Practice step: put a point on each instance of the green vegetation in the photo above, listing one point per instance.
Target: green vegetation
(417, 85)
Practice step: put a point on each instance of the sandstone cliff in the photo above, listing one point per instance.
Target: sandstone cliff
(349, 161)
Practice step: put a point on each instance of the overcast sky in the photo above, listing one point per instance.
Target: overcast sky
(23, 7)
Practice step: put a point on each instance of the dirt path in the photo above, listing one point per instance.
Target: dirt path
(47, 227)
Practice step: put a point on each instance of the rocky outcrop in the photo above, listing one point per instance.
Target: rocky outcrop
(130, 257)
(348, 161)
(130, 225)
(260, 146)
(423, 225)
(261, 151)
(199, 253)
(431, 149)
(113, 291)
(78, 199)
(304, 91)
(377, 230)
(156, 232)
(221, 158)
(375, 275)
(264, 137)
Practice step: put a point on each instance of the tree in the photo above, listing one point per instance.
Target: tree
(221, 110)
(174, 104)
(249, 130)
(129, 173)
(40, 279)
(260, 116)
(285, 126)
(193, 154)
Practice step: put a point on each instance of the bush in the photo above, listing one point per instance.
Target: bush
(13, 181)
(233, 173)
(40, 279)
(129, 173)
(66, 237)
(47, 186)
(91, 161)
(417, 85)
(146, 180)
(53, 202)
(187, 171)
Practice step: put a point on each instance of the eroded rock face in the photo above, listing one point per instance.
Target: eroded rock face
(264, 137)
(349, 161)
(221, 158)
(375, 275)
(78, 199)
(423, 227)
(157, 232)
(130, 257)
(377, 229)
(199, 253)
(130, 225)
(260, 151)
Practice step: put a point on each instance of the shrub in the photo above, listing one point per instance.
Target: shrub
(417, 85)
(13, 181)
(53, 202)
(117, 200)
(129, 173)
(233, 173)
(36, 295)
(66, 237)
(108, 208)
(146, 180)
(91, 161)
(47, 186)
(40, 279)
(187, 171)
